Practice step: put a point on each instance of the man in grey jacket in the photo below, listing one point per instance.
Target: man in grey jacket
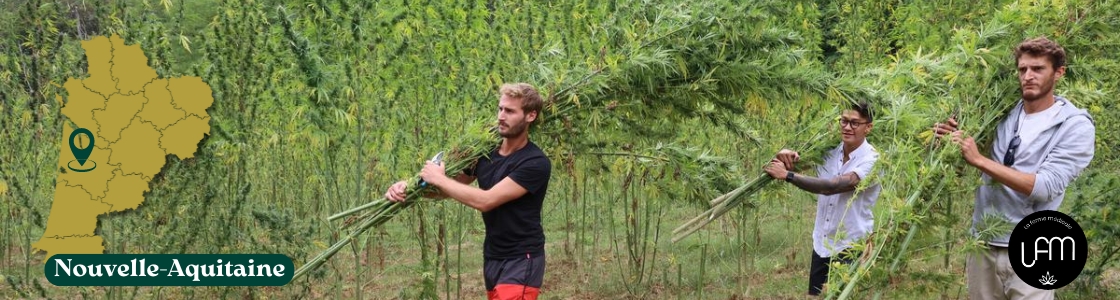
(1040, 147)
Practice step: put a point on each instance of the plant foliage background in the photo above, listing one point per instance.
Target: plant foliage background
(320, 105)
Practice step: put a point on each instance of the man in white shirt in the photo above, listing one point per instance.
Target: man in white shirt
(843, 214)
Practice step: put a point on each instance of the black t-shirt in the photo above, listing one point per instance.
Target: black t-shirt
(514, 228)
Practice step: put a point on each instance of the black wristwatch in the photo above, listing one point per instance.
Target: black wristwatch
(789, 176)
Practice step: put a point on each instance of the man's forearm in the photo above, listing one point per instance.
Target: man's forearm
(464, 194)
(839, 184)
(1018, 181)
(439, 194)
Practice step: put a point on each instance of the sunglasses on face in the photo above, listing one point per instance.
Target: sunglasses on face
(1009, 157)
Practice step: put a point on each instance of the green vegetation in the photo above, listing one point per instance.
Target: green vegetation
(656, 108)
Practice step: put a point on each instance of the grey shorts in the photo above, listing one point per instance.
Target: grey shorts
(525, 271)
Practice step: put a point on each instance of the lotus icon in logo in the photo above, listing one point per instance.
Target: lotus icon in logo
(1047, 279)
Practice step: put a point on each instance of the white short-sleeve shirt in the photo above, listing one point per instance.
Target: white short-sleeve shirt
(845, 217)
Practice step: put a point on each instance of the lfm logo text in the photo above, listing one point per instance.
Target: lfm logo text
(1047, 250)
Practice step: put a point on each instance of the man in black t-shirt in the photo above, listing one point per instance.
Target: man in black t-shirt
(512, 181)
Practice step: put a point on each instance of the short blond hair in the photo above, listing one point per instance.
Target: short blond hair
(530, 99)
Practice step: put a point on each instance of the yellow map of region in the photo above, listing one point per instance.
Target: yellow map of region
(136, 120)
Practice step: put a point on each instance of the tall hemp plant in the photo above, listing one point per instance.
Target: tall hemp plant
(679, 62)
(972, 80)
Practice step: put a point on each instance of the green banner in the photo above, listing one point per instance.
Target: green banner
(169, 269)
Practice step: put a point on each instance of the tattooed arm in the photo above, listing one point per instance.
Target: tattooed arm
(839, 184)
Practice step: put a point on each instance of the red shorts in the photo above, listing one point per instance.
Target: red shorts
(514, 279)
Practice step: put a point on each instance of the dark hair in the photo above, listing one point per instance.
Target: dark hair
(864, 110)
(1042, 46)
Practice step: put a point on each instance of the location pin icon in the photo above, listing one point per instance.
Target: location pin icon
(81, 154)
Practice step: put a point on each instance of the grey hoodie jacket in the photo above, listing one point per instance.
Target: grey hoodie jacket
(1056, 157)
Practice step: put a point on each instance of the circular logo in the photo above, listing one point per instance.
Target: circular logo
(1047, 249)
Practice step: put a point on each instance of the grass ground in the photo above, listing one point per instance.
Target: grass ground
(756, 253)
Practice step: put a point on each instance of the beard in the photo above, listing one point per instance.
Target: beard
(512, 130)
(1040, 91)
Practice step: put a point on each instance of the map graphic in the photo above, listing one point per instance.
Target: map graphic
(125, 122)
